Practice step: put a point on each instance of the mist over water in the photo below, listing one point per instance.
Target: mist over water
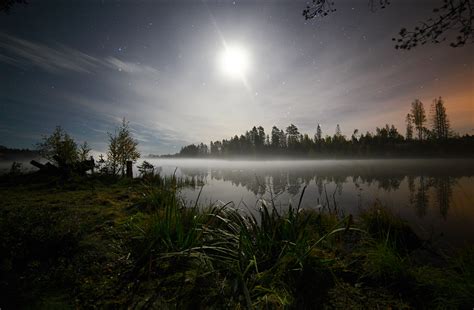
(436, 196)
(5, 165)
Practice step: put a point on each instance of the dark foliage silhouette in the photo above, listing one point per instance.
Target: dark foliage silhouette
(6, 5)
(386, 141)
(453, 18)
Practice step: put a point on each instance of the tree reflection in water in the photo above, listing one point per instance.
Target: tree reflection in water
(429, 185)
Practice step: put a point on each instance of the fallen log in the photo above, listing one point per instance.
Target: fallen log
(79, 167)
(37, 164)
(44, 167)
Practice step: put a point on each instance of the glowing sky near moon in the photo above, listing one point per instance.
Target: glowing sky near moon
(85, 65)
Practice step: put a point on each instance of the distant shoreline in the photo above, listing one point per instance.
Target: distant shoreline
(305, 158)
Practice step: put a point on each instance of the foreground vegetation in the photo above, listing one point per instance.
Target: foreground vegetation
(99, 241)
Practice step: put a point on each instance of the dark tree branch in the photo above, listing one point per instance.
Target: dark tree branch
(6, 5)
(321, 8)
(374, 5)
(318, 8)
(454, 16)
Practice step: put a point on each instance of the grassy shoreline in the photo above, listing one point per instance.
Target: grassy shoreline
(107, 242)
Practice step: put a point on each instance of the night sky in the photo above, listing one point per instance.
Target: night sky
(86, 64)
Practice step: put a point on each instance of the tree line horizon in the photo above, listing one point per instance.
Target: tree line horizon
(419, 140)
(424, 135)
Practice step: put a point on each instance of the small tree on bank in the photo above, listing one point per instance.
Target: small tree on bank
(122, 148)
(83, 152)
(113, 154)
(146, 169)
(59, 148)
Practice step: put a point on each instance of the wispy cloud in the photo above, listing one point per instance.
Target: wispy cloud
(129, 67)
(58, 58)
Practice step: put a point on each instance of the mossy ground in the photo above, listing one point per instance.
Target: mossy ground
(105, 242)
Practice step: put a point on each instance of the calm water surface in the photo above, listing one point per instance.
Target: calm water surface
(435, 196)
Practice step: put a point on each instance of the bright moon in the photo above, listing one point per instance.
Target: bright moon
(234, 61)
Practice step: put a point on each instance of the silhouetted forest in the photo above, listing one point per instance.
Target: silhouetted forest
(386, 141)
(10, 154)
(431, 137)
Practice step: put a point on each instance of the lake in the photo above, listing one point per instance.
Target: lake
(436, 196)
